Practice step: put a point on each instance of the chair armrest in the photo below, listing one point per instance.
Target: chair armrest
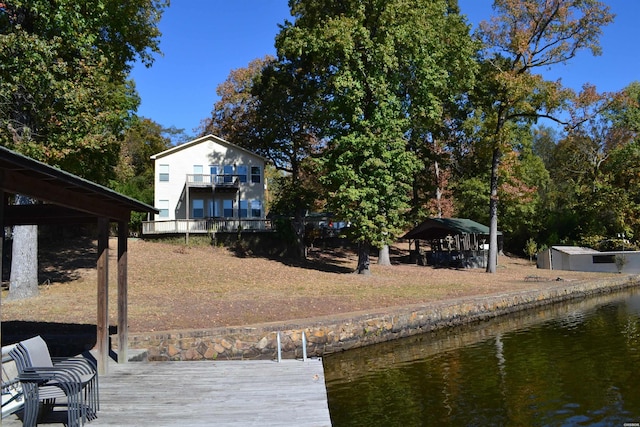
(68, 382)
(81, 365)
(53, 376)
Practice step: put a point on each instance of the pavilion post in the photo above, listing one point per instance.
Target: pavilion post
(123, 326)
(102, 339)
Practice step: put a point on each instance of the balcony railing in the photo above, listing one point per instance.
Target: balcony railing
(204, 226)
(215, 181)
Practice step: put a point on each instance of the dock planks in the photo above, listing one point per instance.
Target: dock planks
(205, 393)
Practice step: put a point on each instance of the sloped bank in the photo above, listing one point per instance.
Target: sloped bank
(325, 335)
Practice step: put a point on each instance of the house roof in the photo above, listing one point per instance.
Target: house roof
(438, 228)
(201, 140)
(68, 198)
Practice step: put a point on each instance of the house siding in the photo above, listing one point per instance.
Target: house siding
(205, 152)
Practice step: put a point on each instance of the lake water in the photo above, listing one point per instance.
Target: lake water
(563, 365)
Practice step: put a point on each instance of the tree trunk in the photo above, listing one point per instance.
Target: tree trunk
(492, 261)
(298, 231)
(23, 282)
(438, 193)
(383, 256)
(363, 258)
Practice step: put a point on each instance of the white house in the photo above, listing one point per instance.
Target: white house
(575, 258)
(208, 184)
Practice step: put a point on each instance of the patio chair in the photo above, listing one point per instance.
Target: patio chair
(45, 379)
(12, 400)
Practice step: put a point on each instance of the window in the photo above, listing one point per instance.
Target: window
(227, 208)
(228, 173)
(214, 208)
(214, 170)
(604, 259)
(244, 211)
(256, 208)
(255, 174)
(197, 173)
(163, 207)
(242, 173)
(164, 173)
(198, 208)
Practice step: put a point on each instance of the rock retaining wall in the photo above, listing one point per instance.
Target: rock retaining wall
(327, 335)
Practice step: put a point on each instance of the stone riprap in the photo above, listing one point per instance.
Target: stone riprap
(326, 335)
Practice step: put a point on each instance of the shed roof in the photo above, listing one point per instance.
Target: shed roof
(68, 198)
(438, 228)
(575, 250)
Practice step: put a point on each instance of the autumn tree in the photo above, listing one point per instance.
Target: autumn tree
(65, 97)
(591, 169)
(234, 114)
(266, 108)
(525, 36)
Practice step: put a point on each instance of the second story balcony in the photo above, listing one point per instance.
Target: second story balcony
(220, 183)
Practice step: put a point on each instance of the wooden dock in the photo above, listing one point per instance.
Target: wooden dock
(205, 393)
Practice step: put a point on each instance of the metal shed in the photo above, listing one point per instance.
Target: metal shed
(576, 258)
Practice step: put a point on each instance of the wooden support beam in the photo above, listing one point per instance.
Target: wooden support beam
(102, 340)
(39, 214)
(123, 325)
(52, 191)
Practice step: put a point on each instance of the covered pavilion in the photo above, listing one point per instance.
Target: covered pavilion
(459, 242)
(65, 198)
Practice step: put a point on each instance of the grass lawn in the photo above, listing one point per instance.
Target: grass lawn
(178, 287)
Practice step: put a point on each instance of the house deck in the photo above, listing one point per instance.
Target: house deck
(205, 393)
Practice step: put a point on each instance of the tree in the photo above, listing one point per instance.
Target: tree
(266, 107)
(531, 248)
(64, 94)
(234, 115)
(434, 135)
(134, 171)
(377, 63)
(524, 36)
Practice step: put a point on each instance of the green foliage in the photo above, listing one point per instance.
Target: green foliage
(64, 94)
(531, 248)
(607, 244)
(510, 93)
(369, 177)
(134, 171)
(472, 198)
(383, 70)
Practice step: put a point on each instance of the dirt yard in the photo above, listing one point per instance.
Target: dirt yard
(178, 287)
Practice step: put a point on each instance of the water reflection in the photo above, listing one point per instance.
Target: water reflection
(568, 364)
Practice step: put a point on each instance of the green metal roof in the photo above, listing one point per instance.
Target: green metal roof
(438, 228)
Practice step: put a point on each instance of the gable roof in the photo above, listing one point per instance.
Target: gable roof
(439, 228)
(200, 140)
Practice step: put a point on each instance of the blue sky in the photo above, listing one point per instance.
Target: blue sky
(203, 40)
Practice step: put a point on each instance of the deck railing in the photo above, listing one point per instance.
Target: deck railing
(203, 180)
(204, 226)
